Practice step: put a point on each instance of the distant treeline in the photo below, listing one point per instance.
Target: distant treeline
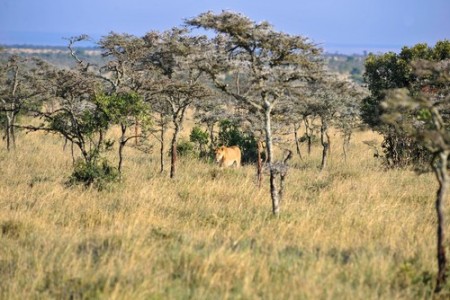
(351, 65)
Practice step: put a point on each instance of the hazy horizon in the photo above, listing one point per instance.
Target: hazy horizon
(24, 39)
(347, 26)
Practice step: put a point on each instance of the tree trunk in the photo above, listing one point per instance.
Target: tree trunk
(136, 130)
(273, 185)
(325, 140)
(297, 144)
(8, 133)
(121, 146)
(162, 150)
(259, 165)
(173, 151)
(308, 133)
(72, 152)
(439, 165)
(13, 131)
(283, 174)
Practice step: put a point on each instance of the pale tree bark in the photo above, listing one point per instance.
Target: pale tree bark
(162, 144)
(439, 165)
(259, 164)
(325, 140)
(12, 112)
(274, 193)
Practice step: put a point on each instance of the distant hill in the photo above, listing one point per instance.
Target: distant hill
(58, 56)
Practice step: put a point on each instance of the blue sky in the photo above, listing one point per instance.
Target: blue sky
(344, 26)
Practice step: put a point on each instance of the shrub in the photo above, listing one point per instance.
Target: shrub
(95, 173)
(200, 139)
(230, 134)
(185, 148)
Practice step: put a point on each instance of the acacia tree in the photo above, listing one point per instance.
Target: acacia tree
(80, 119)
(424, 116)
(21, 88)
(176, 56)
(325, 100)
(120, 81)
(272, 62)
(162, 121)
(124, 109)
(124, 101)
(210, 112)
(349, 118)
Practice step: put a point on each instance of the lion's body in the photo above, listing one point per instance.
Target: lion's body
(227, 156)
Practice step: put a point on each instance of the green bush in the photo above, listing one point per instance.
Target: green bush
(200, 139)
(230, 134)
(94, 173)
(185, 148)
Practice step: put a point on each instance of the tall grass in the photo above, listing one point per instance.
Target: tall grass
(354, 231)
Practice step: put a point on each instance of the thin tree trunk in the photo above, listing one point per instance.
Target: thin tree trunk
(72, 152)
(273, 185)
(173, 151)
(10, 117)
(136, 130)
(13, 132)
(65, 143)
(308, 133)
(297, 144)
(283, 174)
(8, 133)
(440, 168)
(162, 150)
(325, 140)
(121, 146)
(259, 165)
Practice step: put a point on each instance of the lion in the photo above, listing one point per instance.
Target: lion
(227, 156)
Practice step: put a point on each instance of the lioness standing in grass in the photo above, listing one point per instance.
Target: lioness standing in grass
(227, 156)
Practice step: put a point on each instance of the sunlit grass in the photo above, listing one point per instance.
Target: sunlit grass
(353, 231)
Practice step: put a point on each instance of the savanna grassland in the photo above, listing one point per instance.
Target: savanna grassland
(354, 231)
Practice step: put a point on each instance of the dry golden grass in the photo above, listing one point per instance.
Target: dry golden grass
(354, 231)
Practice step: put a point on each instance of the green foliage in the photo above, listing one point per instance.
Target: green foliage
(394, 71)
(391, 70)
(95, 173)
(185, 148)
(198, 136)
(120, 107)
(230, 134)
(410, 275)
(83, 124)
